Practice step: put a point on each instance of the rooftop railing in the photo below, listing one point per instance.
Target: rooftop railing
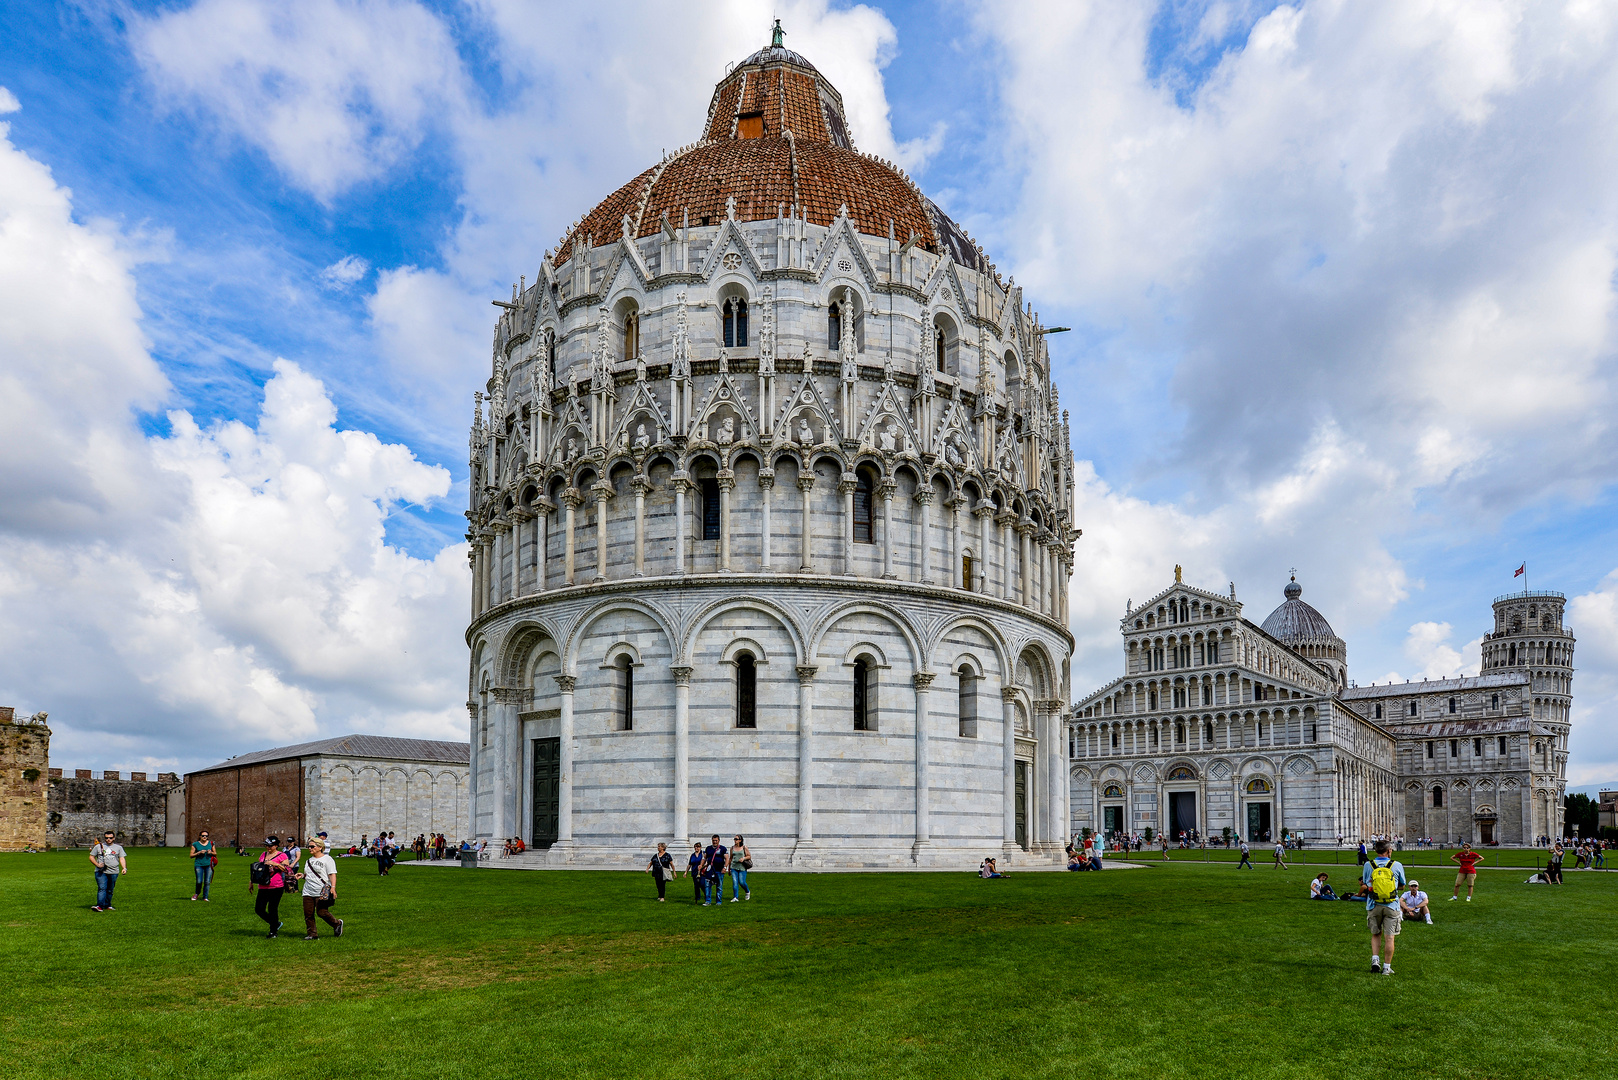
(1526, 594)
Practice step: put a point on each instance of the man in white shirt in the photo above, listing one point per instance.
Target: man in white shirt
(319, 891)
(109, 861)
(1413, 903)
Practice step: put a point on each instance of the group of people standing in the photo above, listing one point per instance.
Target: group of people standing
(708, 867)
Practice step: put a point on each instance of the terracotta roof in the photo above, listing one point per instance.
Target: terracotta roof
(360, 746)
(816, 170)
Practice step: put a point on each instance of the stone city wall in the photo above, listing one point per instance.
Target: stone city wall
(24, 759)
(81, 807)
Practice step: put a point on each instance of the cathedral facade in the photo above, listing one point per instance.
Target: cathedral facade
(1220, 724)
(771, 523)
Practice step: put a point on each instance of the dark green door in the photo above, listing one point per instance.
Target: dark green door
(1113, 820)
(1182, 813)
(1021, 804)
(547, 791)
(1258, 820)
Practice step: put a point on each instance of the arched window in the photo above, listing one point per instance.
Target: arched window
(735, 323)
(864, 694)
(1412, 708)
(709, 488)
(626, 694)
(1379, 712)
(864, 492)
(966, 572)
(941, 348)
(967, 702)
(1494, 702)
(746, 691)
(550, 353)
(834, 327)
(631, 334)
(1207, 731)
(1438, 795)
(1115, 740)
(1179, 731)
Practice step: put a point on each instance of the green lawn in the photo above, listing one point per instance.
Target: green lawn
(1177, 970)
(1326, 858)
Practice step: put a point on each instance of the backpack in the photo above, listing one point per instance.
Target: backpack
(1384, 886)
(259, 873)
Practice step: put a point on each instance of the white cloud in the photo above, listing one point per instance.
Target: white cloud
(1593, 744)
(1428, 647)
(335, 92)
(171, 599)
(8, 101)
(345, 271)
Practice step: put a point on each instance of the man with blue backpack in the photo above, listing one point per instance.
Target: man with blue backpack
(1380, 882)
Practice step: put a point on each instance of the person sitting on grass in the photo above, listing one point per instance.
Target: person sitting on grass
(1320, 890)
(986, 870)
(1413, 903)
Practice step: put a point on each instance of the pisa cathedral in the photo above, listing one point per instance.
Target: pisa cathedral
(771, 518)
(1218, 723)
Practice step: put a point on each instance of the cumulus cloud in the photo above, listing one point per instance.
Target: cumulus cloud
(345, 271)
(1428, 647)
(1593, 745)
(170, 599)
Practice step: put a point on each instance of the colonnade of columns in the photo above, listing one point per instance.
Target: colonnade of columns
(1033, 567)
(1093, 739)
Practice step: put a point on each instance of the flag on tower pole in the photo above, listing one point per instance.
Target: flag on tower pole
(1521, 570)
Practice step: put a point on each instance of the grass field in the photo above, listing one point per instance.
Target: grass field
(1174, 970)
(1326, 858)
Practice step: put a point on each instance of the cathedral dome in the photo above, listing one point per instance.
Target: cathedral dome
(777, 143)
(1295, 621)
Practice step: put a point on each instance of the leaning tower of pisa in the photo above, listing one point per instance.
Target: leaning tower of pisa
(1529, 635)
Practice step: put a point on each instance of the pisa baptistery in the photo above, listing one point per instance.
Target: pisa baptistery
(771, 518)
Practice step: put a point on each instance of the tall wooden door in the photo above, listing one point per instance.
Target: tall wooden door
(1021, 804)
(547, 791)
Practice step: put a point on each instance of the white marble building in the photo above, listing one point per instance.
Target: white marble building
(1220, 724)
(771, 520)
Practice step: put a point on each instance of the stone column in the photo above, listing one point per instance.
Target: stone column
(564, 803)
(924, 499)
(954, 576)
(1025, 589)
(571, 498)
(682, 752)
(1008, 714)
(806, 484)
(681, 484)
(473, 557)
(519, 516)
(727, 480)
(805, 849)
(766, 484)
(604, 492)
(845, 487)
(985, 515)
(502, 530)
(641, 486)
(922, 680)
(1005, 521)
(886, 490)
(542, 540)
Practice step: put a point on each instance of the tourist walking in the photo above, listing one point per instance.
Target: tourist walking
(319, 891)
(1280, 857)
(1381, 879)
(270, 876)
(693, 869)
(1467, 860)
(110, 862)
(383, 851)
(1165, 842)
(662, 869)
(713, 869)
(741, 861)
(1246, 860)
(203, 859)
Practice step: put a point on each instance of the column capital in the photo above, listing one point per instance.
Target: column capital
(727, 479)
(682, 674)
(603, 490)
(766, 478)
(521, 514)
(572, 498)
(1005, 517)
(983, 509)
(847, 483)
(923, 679)
(806, 481)
(511, 695)
(886, 489)
(544, 507)
(924, 497)
(641, 485)
(1009, 693)
(956, 502)
(566, 683)
(500, 528)
(806, 673)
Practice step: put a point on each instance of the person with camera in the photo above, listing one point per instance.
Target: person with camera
(110, 861)
(270, 875)
(319, 891)
(741, 861)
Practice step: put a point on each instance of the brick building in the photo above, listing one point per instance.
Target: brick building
(24, 758)
(350, 786)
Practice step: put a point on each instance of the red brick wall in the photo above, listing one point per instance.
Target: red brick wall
(247, 803)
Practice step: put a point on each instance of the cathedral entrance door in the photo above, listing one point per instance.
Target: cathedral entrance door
(1258, 820)
(547, 791)
(1020, 804)
(1112, 820)
(1486, 832)
(1182, 813)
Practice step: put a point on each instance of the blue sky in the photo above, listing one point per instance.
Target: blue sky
(1340, 278)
